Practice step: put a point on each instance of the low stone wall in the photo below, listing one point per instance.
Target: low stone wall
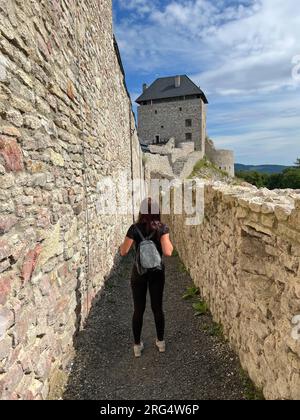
(245, 258)
(187, 146)
(180, 153)
(190, 163)
(65, 124)
(163, 150)
(157, 167)
(174, 153)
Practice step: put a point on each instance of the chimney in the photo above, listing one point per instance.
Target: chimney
(177, 81)
(145, 87)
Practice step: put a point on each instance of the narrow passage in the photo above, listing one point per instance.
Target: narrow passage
(197, 364)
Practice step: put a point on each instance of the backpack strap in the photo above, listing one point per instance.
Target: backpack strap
(151, 235)
(140, 233)
(142, 236)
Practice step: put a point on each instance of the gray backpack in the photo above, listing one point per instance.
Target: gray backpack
(147, 256)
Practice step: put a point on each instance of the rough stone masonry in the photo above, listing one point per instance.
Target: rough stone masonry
(65, 122)
(245, 257)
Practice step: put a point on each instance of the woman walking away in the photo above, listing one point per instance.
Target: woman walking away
(152, 240)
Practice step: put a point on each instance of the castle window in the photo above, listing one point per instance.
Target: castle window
(188, 123)
(155, 111)
(162, 126)
(180, 109)
(188, 136)
(157, 139)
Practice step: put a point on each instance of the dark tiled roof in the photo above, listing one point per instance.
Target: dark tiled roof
(164, 88)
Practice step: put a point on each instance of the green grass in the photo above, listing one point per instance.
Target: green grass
(191, 292)
(182, 268)
(251, 393)
(201, 164)
(201, 308)
(175, 253)
(216, 330)
(206, 164)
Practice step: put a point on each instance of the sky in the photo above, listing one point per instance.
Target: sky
(245, 56)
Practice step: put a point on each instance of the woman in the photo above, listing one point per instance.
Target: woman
(148, 224)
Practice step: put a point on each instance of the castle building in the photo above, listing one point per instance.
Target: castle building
(172, 111)
(172, 107)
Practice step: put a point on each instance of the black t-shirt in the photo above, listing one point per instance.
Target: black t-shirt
(133, 234)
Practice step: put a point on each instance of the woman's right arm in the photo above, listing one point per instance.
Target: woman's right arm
(126, 246)
(166, 245)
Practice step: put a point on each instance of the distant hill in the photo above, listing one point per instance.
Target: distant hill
(266, 169)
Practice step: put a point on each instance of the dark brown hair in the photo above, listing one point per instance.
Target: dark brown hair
(150, 215)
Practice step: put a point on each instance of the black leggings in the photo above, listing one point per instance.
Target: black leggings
(139, 284)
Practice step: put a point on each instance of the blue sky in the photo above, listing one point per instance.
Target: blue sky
(241, 53)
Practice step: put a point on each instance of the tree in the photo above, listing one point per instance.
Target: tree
(297, 163)
(275, 181)
(254, 178)
(291, 178)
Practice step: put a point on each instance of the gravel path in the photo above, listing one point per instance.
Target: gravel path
(196, 366)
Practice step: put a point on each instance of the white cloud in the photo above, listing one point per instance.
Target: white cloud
(138, 6)
(239, 52)
(231, 48)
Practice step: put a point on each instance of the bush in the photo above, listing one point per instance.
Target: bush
(289, 178)
(255, 178)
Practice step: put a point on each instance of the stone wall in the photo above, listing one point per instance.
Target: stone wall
(174, 153)
(65, 123)
(157, 167)
(183, 151)
(163, 149)
(223, 159)
(188, 165)
(167, 120)
(245, 258)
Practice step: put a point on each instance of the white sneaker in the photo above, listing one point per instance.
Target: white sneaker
(138, 348)
(161, 345)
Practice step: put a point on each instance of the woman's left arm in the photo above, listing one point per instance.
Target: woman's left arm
(166, 245)
(126, 246)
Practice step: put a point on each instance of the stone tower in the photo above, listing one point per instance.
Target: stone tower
(172, 107)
